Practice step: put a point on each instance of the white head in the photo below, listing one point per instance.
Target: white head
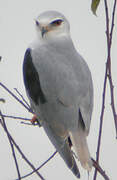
(52, 24)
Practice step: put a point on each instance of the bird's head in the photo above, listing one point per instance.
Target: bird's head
(52, 24)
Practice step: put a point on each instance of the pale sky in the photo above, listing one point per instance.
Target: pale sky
(88, 33)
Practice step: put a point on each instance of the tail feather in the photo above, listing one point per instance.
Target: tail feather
(67, 155)
(63, 148)
(79, 142)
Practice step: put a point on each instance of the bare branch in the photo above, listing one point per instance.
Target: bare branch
(16, 117)
(113, 19)
(22, 154)
(11, 144)
(16, 98)
(41, 165)
(99, 169)
(101, 122)
(22, 118)
(108, 74)
(109, 68)
(22, 98)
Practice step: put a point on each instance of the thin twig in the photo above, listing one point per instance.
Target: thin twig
(107, 75)
(13, 95)
(30, 124)
(16, 117)
(21, 118)
(100, 170)
(101, 122)
(109, 68)
(109, 35)
(22, 154)
(22, 97)
(40, 166)
(11, 144)
(113, 19)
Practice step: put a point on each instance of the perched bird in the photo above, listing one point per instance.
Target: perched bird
(59, 86)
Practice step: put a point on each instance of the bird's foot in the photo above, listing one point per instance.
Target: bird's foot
(34, 119)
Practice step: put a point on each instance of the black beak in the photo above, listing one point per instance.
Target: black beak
(43, 31)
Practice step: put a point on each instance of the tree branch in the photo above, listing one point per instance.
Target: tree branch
(101, 122)
(108, 75)
(22, 98)
(16, 117)
(109, 67)
(16, 98)
(40, 166)
(99, 169)
(11, 144)
(22, 154)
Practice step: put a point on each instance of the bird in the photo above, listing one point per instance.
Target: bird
(59, 86)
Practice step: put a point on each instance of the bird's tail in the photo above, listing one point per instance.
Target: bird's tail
(79, 142)
(67, 155)
(63, 148)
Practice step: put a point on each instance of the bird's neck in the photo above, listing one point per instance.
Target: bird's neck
(59, 40)
(60, 43)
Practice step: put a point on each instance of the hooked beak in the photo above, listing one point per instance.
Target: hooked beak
(44, 30)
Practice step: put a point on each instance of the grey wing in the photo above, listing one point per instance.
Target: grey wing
(85, 78)
(86, 107)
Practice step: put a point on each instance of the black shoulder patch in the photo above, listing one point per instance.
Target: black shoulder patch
(31, 79)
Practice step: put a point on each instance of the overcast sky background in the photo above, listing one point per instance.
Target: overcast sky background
(88, 33)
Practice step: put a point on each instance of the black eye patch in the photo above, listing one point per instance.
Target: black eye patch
(37, 23)
(57, 22)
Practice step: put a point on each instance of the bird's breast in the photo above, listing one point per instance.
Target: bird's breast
(57, 76)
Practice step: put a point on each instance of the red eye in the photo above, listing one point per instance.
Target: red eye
(57, 22)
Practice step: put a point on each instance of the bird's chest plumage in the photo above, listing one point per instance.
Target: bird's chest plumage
(57, 76)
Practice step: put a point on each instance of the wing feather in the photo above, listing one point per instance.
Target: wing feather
(31, 79)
